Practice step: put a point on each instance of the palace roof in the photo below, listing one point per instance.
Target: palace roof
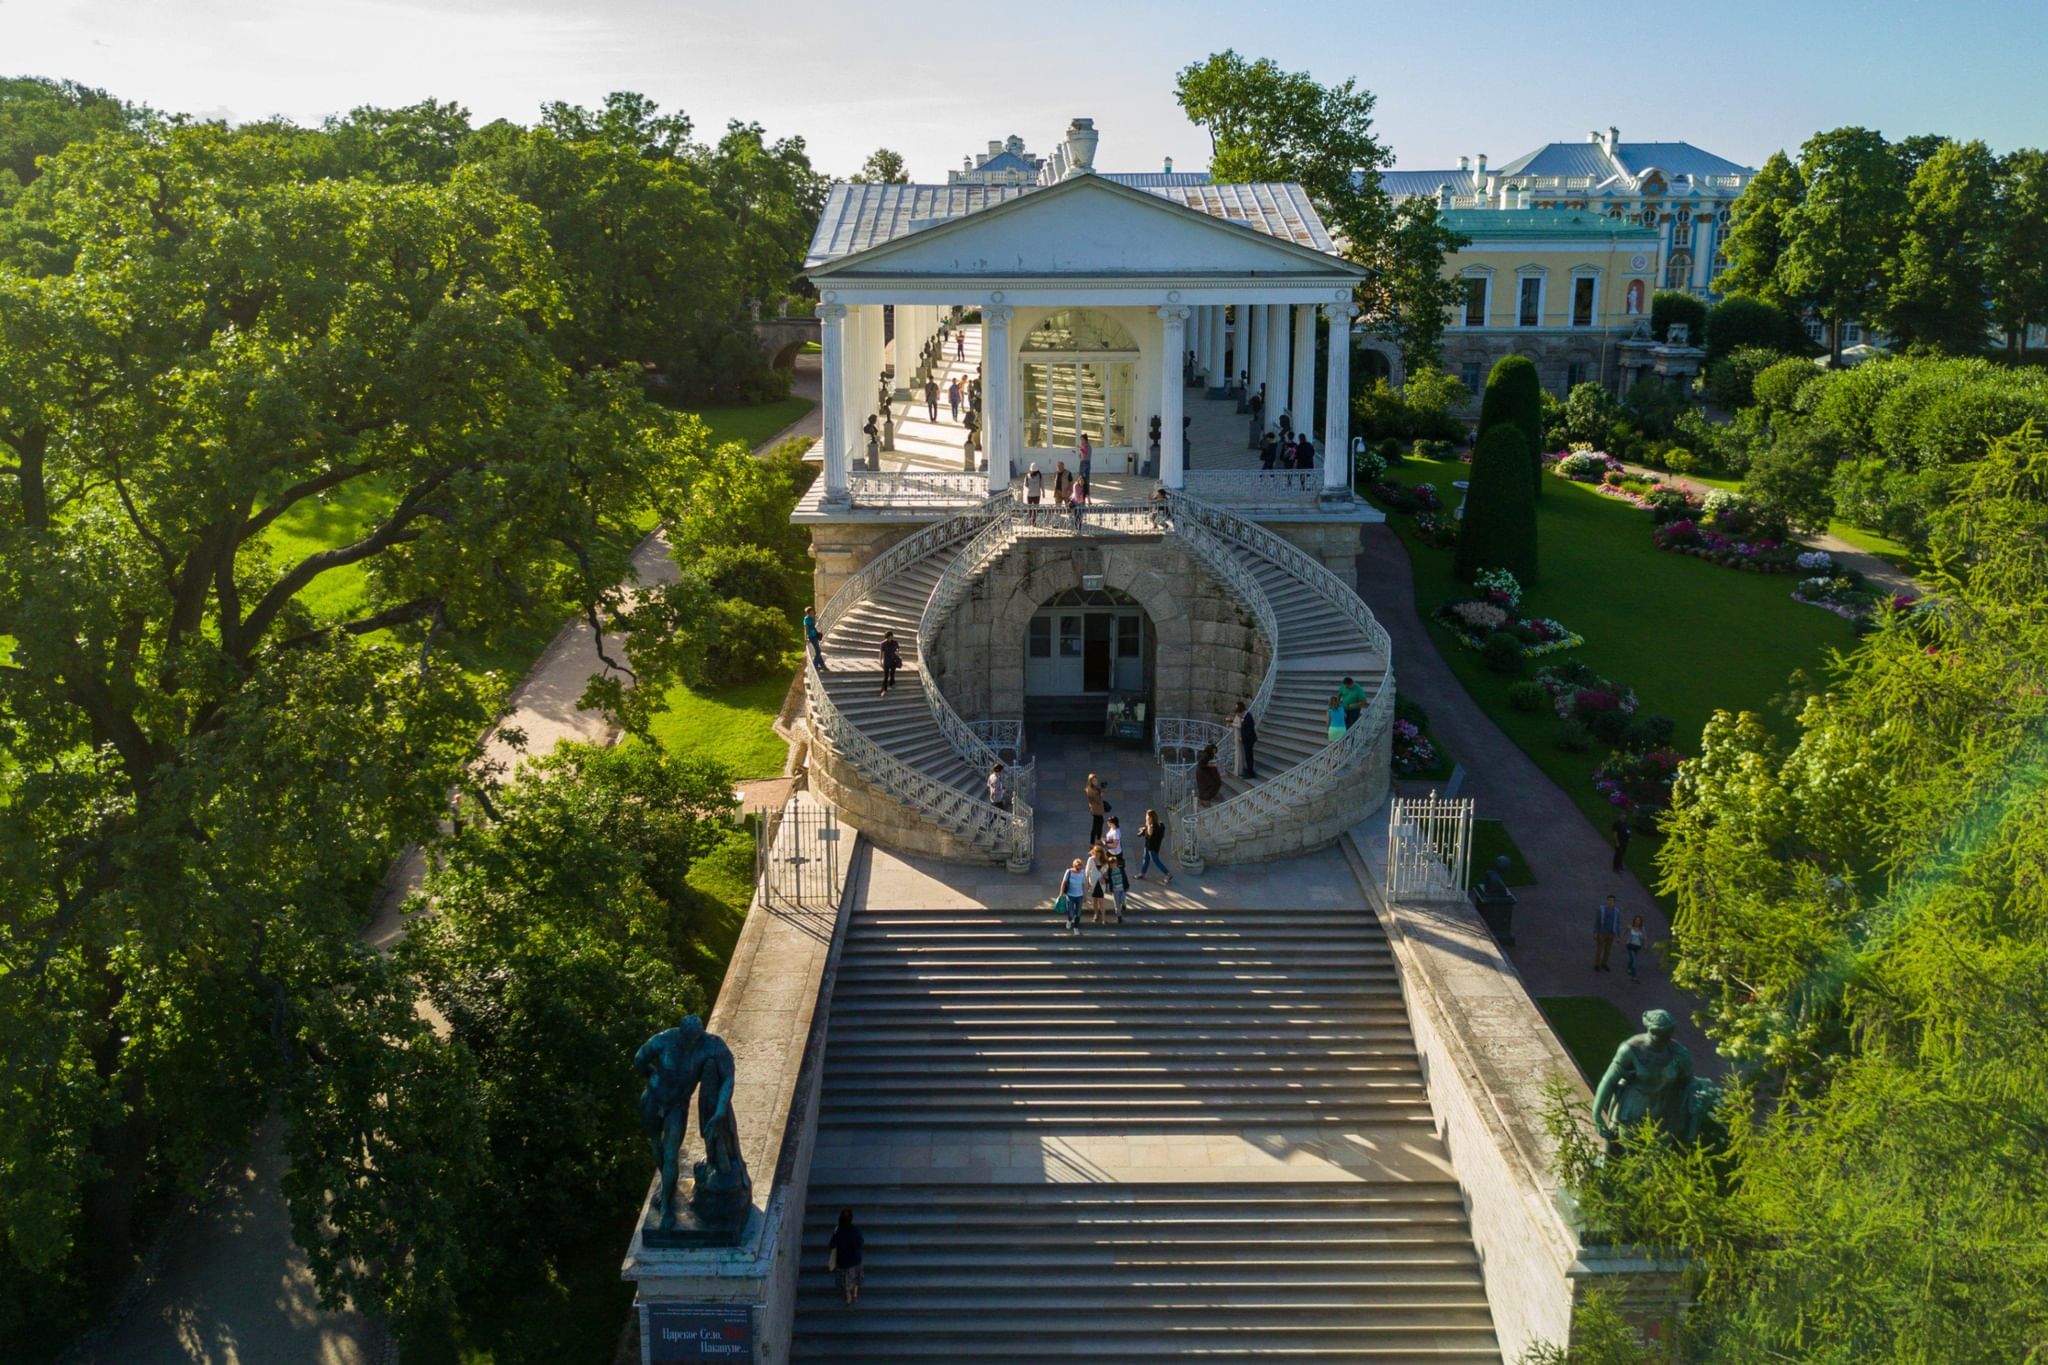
(1542, 224)
(860, 217)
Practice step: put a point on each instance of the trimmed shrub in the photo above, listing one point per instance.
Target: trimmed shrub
(751, 573)
(1499, 530)
(1731, 380)
(1528, 696)
(1514, 394)
(1673, 305)
(748, 644)
(1646, 732)
(1573, 737)
(1739, 321)
(1502, 653)
(1776, 388)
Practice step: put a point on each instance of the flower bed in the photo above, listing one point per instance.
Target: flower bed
(1639, 784)
(1847, 594)
(1577, 692)
(1584, 466)
(1401, 497)
(1475, 620)
(1413, 753)
(1438, 529)
(1762, 555)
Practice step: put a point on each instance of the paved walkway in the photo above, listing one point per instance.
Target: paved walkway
(1571, 860)
(234, 1288)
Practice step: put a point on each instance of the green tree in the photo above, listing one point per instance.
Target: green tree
(1514, 397)
(772, 198)
(1761, 230)
(1845, 229)
(1668, 306)
(563, 932)
(1731, 380)
(421, 142)
(1740, 320)
(1936, 285)
(2017, 269)
(1268, 124)
(1499, 526)
(39, 118)
(629, 121)
(883, 167)
(1865, 915)
(207, 776)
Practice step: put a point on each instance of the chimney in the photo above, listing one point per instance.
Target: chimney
(1443, 198)
(1464, 163)
(1080, 144)
(1482, 163)
(1593, 136)
(1613, 139)
(1169, 166)
(994, 147)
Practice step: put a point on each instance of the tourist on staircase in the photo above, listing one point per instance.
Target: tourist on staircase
(1153, 832)
(998, 788)
(1062, 484)
(843, 1257)
(814, 639)
(1098, 806)
(892, 659)
(1084, 458)
(1336, 718)
(1077, 499)
(1208, 777)
(1247, 736)
(1353, 697)
(1034, 490)
(1113, 838)
(1119, 881)
(1073, 886)
(1094, 876)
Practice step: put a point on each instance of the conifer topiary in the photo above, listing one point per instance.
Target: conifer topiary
(1499, 527)
(1514, 393)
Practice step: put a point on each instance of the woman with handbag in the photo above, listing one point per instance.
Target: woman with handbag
(1073, 885)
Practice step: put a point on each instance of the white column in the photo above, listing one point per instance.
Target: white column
(1272, 323)
(1217, 374)
(1304, 400)
(1198, 340)
(998, 424)
(832, 388)
(1281, 376)
(875, 340)
(856, 386)
(1251, 336)
(1337, 420)
(1174, 329)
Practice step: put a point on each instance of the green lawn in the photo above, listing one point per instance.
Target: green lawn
(1896, 553)
(1688, 635)
(733, 726)
(754, 423)
(1490, 839)
(1590, 1029)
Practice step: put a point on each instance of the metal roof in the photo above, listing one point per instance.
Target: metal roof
(1492, 225)
(1674, 158)
(858, 217)
(1005, 161)
(1424, 184)
(1566, 159)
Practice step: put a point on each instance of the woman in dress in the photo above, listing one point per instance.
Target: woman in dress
(1092, 875)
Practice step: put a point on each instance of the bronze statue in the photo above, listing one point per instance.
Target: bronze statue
(1649, 1078)
(676, 1062)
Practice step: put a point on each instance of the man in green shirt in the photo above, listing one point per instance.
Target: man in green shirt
(1352, 697)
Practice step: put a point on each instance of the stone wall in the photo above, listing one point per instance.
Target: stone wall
(890, 823)
(1322, 822)
(1207, 651)
(1554, 353)
(841, 549)
(1332, 544)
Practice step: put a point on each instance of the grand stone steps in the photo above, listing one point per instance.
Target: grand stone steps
(1163, 1271)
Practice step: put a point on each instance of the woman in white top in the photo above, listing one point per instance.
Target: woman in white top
(1112, 838)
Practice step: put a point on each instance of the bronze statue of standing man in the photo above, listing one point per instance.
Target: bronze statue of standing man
(676, 1062)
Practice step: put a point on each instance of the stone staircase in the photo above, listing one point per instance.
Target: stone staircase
(1198, 1135)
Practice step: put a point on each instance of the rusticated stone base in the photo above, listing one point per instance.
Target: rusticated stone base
(882, 817)
(1319, 823)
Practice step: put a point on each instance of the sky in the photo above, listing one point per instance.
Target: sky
(1740, 78)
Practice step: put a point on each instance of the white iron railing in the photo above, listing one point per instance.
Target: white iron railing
(916, 488)
(963, 814)
(1429, 849)
(1213, 829)
(1179, 743)
(1285, 487)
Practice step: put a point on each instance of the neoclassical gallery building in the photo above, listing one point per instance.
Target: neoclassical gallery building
(1145, 316)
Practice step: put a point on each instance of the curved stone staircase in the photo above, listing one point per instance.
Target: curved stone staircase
(911, 771)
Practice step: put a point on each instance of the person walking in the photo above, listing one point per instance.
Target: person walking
(844, 1259)
(1113, 838)
(1034, 491)
(953, 397)
(998, 788)
(1247, 736)
(1337, 723)
(960, 344)
(1269, 450)
(1304, 453)
(1062, 483)
(892, 659)
(1353, 697)
(1092, 873)
(931, 398)
(1119, 879)
(1620, 840)
(1073, 886)
(1084, 457)
(1153, 833)
(1077, 499)
(1098, 806)
(1634, 944)
(814, 639)
(1162, 518)
(1606, 924)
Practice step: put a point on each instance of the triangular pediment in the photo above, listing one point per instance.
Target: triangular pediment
(1086, 227)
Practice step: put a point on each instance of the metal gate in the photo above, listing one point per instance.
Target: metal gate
(797, 858)
(1429, 848)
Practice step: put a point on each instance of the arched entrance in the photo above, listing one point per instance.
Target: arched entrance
(1088, 642)
(1077, 370)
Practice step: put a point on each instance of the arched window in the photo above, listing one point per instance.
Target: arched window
(1678, 275)
(1681, 229)
(1079, 330)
